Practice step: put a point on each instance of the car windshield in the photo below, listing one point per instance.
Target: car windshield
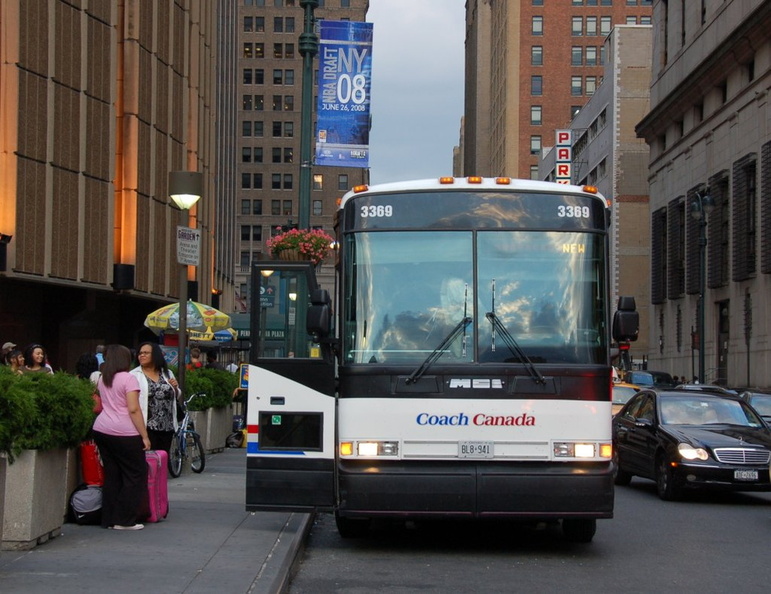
(707, 411)
(762, 404)
(622, 394)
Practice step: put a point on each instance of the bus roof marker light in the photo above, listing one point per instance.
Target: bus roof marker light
(360, 189)
(474, 179)
(503, 181)
(590, 189)
(447, 180)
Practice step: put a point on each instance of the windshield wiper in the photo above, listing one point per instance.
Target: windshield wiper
(514, 347)
(439, 350)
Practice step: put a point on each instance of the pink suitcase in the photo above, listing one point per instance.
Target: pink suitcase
(157, 485)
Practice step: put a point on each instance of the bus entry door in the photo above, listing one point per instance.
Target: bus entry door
(291, 406)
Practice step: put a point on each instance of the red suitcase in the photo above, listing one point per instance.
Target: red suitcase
(91, 464)
(157, 485)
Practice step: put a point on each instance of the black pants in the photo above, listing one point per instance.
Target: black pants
(160, 440)
(125, 478)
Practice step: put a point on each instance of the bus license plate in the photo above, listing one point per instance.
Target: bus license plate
(745, 475)
(475, 449)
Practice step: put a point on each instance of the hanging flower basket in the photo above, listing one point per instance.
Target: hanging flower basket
(301, 244)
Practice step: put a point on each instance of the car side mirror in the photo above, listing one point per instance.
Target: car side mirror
(318, 318)
(626, 320)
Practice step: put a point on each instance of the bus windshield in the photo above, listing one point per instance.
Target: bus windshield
(407, 291)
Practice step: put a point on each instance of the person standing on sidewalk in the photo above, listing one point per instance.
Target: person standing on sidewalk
(158, 395)
(121, 435)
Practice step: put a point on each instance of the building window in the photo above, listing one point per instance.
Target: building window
(289, 51)
(257, 152)
(247, 103)
(246, 207)
(246, 181)
(576, 26)
(246, 231)
(318, 181)
(275, 208)
(288, 102)
(248, 51)
(591, 85)
(535, 144)
(248, 76)
(342, 182)
(258, 128)
(605, 25)
(246, 154)
(287, 208)
(536, 85)
(259, 24)
(259, 102)
(536, 55)
(576, 55)
(257, 181)
(317, 208)
(591, 25)
(288, 181)
(576, 87)
(289, 77)
(534, 172)
(278, 50)
(591, 55)
(289, 24)
(631, 20)
(288, 155)
(276, 155)
(537, 25)
(276, 129)
(278, 77)
(246, 128)
(248, 24)
(259, 50)
(256, 207)
(288, 129)
(744, 217)
(645, 20)
(275, 181)
(536, 115)
(278, 25)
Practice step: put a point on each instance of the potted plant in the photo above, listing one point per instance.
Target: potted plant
(214, 416)
(42, 417)
(301, 244)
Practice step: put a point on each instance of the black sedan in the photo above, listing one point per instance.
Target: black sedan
(685, 440)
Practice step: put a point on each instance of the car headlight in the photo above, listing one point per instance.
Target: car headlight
(689, 452)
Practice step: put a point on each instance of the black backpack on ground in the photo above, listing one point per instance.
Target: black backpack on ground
(86, 505)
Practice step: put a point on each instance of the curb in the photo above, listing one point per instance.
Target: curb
(274, 578)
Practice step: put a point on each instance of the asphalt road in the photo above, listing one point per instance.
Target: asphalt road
(708, 543)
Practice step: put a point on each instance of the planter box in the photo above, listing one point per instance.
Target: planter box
(214, 425)
(35, 498)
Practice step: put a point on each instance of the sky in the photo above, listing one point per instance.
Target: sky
(417, 87)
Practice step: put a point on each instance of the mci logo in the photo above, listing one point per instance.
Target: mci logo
(482, 384)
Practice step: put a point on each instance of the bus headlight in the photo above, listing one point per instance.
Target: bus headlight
(568, 449)
(369, 449)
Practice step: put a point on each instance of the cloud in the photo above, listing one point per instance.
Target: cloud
(417, 87)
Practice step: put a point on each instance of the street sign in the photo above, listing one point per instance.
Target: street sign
(188, 246)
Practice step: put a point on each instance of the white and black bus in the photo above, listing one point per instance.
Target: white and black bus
(460, 367)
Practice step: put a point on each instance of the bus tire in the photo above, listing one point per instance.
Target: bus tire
(350, 527)
(579, 529)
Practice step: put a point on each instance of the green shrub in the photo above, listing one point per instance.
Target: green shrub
(43, 411)
(217, 385)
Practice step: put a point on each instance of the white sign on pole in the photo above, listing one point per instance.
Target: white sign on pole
(188, 246)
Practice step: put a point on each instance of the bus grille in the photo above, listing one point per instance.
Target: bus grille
(742, 456)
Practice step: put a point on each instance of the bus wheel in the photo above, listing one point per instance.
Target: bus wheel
(351, 528)
(579, 529)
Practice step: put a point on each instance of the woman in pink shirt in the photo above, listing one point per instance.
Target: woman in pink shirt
(121, 435)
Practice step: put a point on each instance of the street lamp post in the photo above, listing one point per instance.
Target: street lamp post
(309, 47)
(701, 206)
(185, 189)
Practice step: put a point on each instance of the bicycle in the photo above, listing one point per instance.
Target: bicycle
(186, 443)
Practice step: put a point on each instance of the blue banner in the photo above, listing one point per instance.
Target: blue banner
(345, 76)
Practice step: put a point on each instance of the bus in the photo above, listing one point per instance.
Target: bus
(457, 366)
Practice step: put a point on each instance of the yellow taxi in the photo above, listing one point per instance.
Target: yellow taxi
(622, 393)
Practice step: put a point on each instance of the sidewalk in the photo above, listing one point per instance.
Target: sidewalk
(208, 543)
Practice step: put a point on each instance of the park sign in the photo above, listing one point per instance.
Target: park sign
(345, 75)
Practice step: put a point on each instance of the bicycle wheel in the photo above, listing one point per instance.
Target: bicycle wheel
(197, 456)
(176, 455)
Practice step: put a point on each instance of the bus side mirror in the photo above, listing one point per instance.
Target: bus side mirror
(319, 316)
(626, 320)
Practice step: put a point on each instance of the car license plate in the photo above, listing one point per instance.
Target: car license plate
(475, 449)
(745, 475)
